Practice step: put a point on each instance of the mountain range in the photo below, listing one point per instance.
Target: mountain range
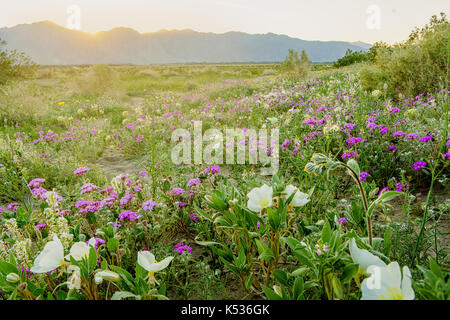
(50, 44)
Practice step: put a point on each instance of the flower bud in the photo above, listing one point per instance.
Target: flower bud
(12, 277)
(277, 290)
(108, 275)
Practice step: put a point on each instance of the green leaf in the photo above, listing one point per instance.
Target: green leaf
(92, 258)
(166, 185)
(218, 202)
(163, 289)
(207, 243)
(91, 217)
(299, 286)
(384, 197)
(354, 166)
(274, 218)
(119, 295)
(160, 297)
(302, 257)
(249, 282)
(7, 268)
(265, 252)
(434, 267)
(349, 272)
(326, 232)
(220, 220)
(388, 195)
(292, 243)
(229, 265)
(281, 276)
(240, 260)
(109, 231)
(337, 287)
(270, 294)
(202, 213)
(125, 275)
(141, 273)
(299, 271)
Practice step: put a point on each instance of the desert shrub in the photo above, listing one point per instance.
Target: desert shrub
(190, 86)
(418, 65)
(351, 57)
(297, 65)
(14, 64)
(100, 80)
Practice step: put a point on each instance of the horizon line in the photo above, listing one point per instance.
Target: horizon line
(174, 30)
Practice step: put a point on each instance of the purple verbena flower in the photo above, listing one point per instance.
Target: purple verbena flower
(128, 215)
(194, 182)
(36, 183)
(177, 191)
(81, 171)
(419, 165)
(363, 176)
(88, 188)
(149, 205)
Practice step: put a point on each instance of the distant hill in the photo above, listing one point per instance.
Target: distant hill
(50, 44)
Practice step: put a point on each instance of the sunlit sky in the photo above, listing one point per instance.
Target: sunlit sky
(346, 20)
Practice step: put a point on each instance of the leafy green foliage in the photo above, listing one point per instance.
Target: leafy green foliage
(418, 65)
(14, 64)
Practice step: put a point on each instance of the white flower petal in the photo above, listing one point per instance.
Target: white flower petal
(407, 290)
(78, 251)
(363, 257)
(155, 267)
(145, 259)
(50, 258)
(260, 198)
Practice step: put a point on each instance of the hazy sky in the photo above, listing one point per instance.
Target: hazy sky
(347, 20)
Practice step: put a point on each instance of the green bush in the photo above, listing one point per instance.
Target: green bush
(351, 57)
(300, 66)
(418, 65)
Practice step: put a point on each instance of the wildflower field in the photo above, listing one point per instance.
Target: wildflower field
(92, 207)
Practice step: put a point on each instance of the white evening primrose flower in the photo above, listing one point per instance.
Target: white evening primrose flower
(147, 261)
(80, 250)
(51, 257)
(260, 198)
(363, 257)
(387, 283)
(300, 199)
